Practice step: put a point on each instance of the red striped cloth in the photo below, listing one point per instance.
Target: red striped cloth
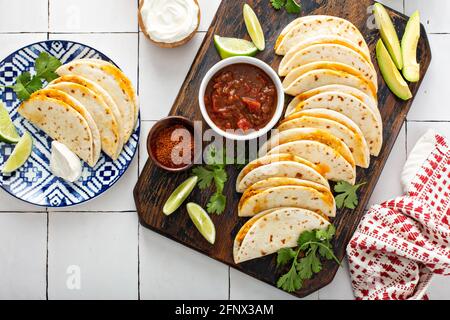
(401, 243)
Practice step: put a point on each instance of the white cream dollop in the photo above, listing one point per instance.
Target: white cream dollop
(64, 163)
(170, 21)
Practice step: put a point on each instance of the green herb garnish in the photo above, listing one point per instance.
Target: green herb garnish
(213, 171)
(347, 197)
(45, 67)
(313, 244)
(291, 6)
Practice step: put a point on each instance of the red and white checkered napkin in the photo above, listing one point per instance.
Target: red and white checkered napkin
(401, 243)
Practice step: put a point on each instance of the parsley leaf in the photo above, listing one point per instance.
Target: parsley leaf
(309, 264)
(220, 177)
(204, 175)
(45, 66)
(285, 255)
(306, 237)
(291, 281)
(326, 234)
(292, 6)
(278, 4)
(217, 203)
(25, 85)
(313, 243)
(347, 197)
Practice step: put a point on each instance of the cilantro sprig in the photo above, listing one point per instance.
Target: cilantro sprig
(347, 196)
(291, 6)
(213, 172)
(311, 245)
(26, 84)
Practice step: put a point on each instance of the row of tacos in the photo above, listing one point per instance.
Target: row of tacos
(91, 107)
(331, 126)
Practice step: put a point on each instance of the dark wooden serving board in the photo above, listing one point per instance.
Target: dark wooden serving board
(154, 185)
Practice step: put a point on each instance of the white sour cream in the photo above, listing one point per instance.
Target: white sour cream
(170, 21)
(64, 163)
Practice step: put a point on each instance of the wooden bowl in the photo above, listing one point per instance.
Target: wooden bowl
(164, 123)
(165, 44)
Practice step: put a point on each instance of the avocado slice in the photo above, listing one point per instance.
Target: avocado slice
(390, 73)
(411, 69)
(388, 34)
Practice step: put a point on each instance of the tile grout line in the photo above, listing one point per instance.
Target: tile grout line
(46, 257)
(48, 19)
(46, 209)
(139, 162)
(406, 139)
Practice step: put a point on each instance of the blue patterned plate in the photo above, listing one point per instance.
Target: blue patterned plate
(34, 182)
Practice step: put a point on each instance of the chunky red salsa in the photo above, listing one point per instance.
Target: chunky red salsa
(241, 96)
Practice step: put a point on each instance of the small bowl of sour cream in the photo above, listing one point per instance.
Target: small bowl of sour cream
(169, 23)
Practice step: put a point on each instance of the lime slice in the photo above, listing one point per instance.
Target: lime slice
(232, 47)
(254, 27)
(179, 195)
(8, 132)
(20, 154)
(202, 221)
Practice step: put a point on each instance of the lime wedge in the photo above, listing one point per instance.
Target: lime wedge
(179, 195)
(232, 47)
(8, 132)
(254, 27)
(202, 221)
(20, 154)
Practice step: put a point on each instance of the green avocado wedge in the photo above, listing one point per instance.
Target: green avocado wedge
(388, 34)
(390, 73)
(411, 69)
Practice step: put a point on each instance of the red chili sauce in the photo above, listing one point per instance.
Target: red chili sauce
(241, 96)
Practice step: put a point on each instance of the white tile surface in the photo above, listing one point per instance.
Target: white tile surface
(93, 16)
(208, 11)
(439, 288)
(394, 4)
(14, 41)
(417, 129)
(112, 45)
(244, 287)
(161, 74)
(100, 248)
(169, 270)
(105, 245)
(434, 13)
(23, 16)
(143, 154)
(432, 100)
(23, 246)
(389, 185)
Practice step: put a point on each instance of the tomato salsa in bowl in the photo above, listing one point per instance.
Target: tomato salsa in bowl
(241, 98)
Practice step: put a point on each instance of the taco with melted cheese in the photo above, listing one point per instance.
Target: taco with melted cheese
(112, 80)
(65, 120)
(336, 124)
(330, 154)
(286, 192)
(272, 230)
(318, 25)
(362, 115)
(279, 165)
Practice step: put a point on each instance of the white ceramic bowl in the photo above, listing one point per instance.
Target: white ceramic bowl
(263, 66)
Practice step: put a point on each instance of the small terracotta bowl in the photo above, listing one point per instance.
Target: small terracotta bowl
(164, 123)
